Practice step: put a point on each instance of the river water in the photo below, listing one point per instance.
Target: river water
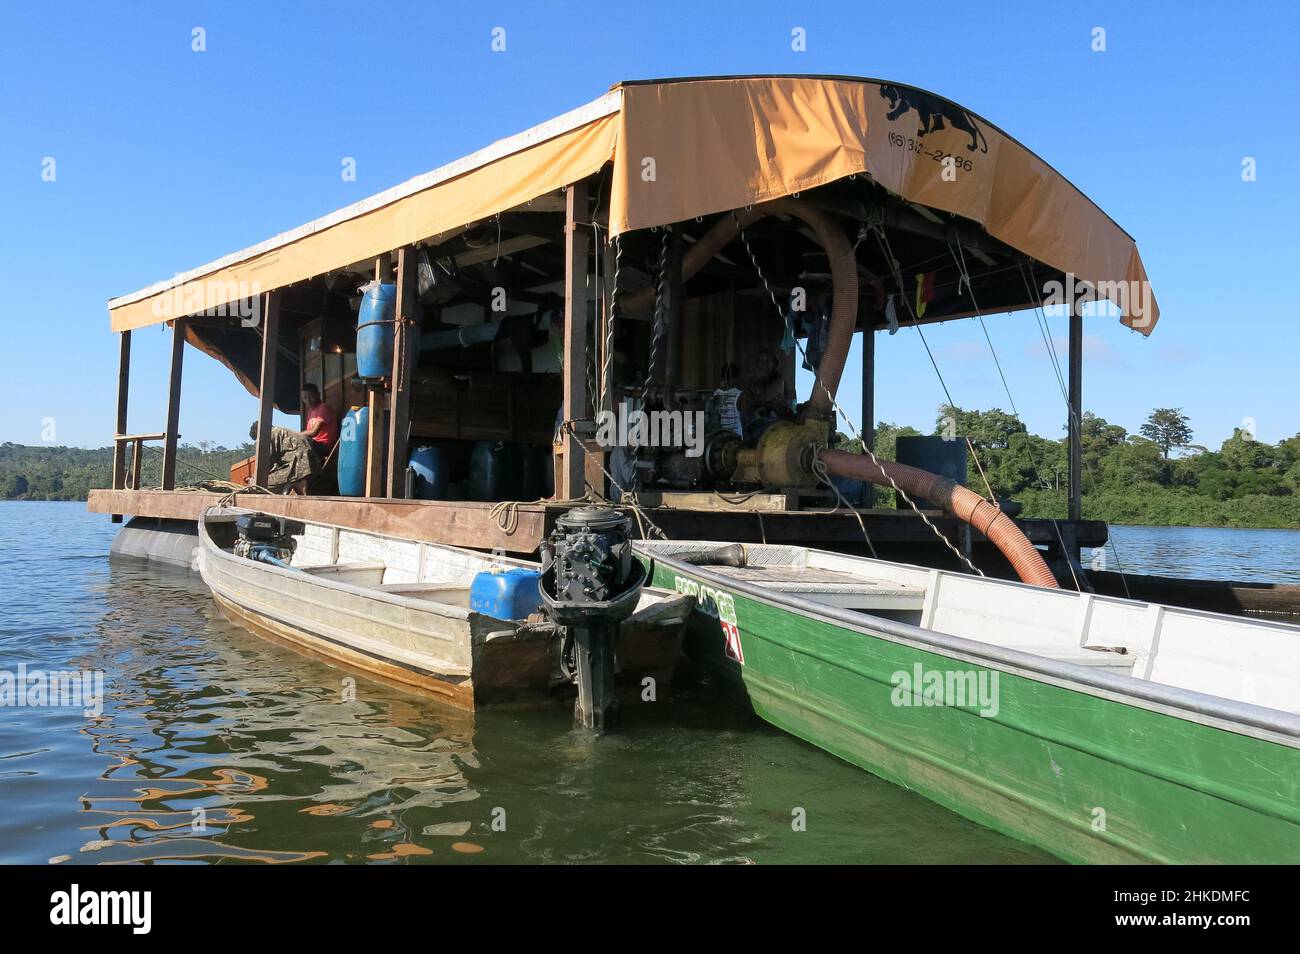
(215, 745)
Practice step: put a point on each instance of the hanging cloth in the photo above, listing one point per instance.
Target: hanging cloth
(787, 340)
(924, 292)
(819, 323)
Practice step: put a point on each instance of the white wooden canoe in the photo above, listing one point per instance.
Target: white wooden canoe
(399, 610)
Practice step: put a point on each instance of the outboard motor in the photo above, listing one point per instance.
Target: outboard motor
(264, 538)
(590, 584)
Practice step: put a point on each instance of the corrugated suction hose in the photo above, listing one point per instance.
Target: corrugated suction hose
(844, 282)
(956, 500)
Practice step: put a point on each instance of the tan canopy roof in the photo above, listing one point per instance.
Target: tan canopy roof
(692, 147)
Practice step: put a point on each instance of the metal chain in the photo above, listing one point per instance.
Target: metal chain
(589, 363)
(847, 420)
(607, 372)
(656, 339)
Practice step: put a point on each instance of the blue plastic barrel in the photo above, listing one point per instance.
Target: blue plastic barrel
(509, 594)
(528, 472)
(375, 331)
(432, 473)
(352, 452)
(491, 471)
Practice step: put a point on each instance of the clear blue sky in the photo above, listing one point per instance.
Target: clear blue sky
(167, 158)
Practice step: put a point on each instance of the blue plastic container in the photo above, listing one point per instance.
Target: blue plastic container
(375, 331)
(432, 473)
(943, 456)
(353, 433)
(491, 471)
(850, 489)
(510, 594)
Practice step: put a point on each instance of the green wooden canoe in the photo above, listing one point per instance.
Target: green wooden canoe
(1100, 729)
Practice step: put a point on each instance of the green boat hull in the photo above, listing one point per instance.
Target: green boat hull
(1083, 773)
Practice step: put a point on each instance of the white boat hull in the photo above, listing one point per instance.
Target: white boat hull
(398, 610)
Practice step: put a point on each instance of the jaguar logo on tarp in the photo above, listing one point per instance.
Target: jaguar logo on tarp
(934, 113)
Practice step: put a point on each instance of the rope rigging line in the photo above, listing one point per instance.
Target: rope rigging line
(840, 411)
(1040, 316)
(960, 258)
(887, 250)
(820, 470)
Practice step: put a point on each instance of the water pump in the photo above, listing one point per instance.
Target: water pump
(590, 584)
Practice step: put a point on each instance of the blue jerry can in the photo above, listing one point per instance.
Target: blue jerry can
(506, 594)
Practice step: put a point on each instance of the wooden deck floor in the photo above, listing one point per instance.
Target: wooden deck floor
(472, 524)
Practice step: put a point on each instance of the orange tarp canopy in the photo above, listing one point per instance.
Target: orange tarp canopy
(688, 148)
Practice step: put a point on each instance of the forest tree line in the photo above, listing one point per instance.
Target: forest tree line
(1157, 476)
(70, 473)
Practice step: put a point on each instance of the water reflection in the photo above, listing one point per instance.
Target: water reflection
(216, 746)
(199, 715)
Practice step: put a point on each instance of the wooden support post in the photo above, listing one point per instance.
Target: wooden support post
(123, 389)
(1076, 413)
(173, 406)
(137, 461)
(868, 421)
(266, 385)
(575, 335)
(375, 441)
(406, 348)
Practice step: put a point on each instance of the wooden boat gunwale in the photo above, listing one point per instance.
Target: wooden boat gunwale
(1241, 718)
(393, 598)
(401, 631)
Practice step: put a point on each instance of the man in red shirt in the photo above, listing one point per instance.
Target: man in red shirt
(322, 433)
(322, 423)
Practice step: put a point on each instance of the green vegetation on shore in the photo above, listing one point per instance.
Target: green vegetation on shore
(1128, 478)
(69, 473)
